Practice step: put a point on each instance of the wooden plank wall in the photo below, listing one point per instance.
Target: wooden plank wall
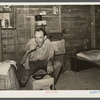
(76, 29)
(75, 26)
(13, 41)
(8, 45)
(93, 44)
(7, 42)
(23, 22)
(97, 25)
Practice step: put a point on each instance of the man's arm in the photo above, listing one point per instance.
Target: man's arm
(50, 67)
(23, 58)
(29, 49)
(50, 61)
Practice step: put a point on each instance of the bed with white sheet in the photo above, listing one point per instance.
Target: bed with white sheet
(86, 59)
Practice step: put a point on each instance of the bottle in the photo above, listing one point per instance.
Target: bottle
(6, 23)
(3, 23)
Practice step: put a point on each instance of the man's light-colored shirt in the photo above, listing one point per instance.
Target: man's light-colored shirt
(44, 53)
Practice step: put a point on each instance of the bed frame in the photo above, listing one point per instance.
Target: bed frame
(79, 64)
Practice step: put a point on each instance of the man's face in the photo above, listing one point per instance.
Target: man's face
(39, 38)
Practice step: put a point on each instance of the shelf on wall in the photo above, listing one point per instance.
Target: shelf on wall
(51, 16)
(5, 11)
(40, 25)
(13, 28)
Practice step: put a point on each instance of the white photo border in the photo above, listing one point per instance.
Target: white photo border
(48, 93)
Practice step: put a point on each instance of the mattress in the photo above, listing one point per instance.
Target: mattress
(90, 55)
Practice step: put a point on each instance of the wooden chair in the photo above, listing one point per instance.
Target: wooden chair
(47, 82)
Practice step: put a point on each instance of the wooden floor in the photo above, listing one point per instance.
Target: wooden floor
(84, 80)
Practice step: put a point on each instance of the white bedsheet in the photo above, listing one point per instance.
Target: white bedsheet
(92, 55)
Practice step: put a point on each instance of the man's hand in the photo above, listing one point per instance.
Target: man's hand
(29, 49)
(50, 68)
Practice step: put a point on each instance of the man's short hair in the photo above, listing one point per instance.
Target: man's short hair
(41, 29)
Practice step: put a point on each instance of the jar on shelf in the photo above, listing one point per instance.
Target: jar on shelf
(3, 23)
(6, 23)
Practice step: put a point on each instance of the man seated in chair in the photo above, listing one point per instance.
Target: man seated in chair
(38, 54)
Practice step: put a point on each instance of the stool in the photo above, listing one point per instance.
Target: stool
(46, 83)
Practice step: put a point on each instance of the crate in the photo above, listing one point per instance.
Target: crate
(46, 83)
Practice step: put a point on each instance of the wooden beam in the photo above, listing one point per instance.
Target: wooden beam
(16, 36)
(60, 19)
(92, 26)
(0, 43)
